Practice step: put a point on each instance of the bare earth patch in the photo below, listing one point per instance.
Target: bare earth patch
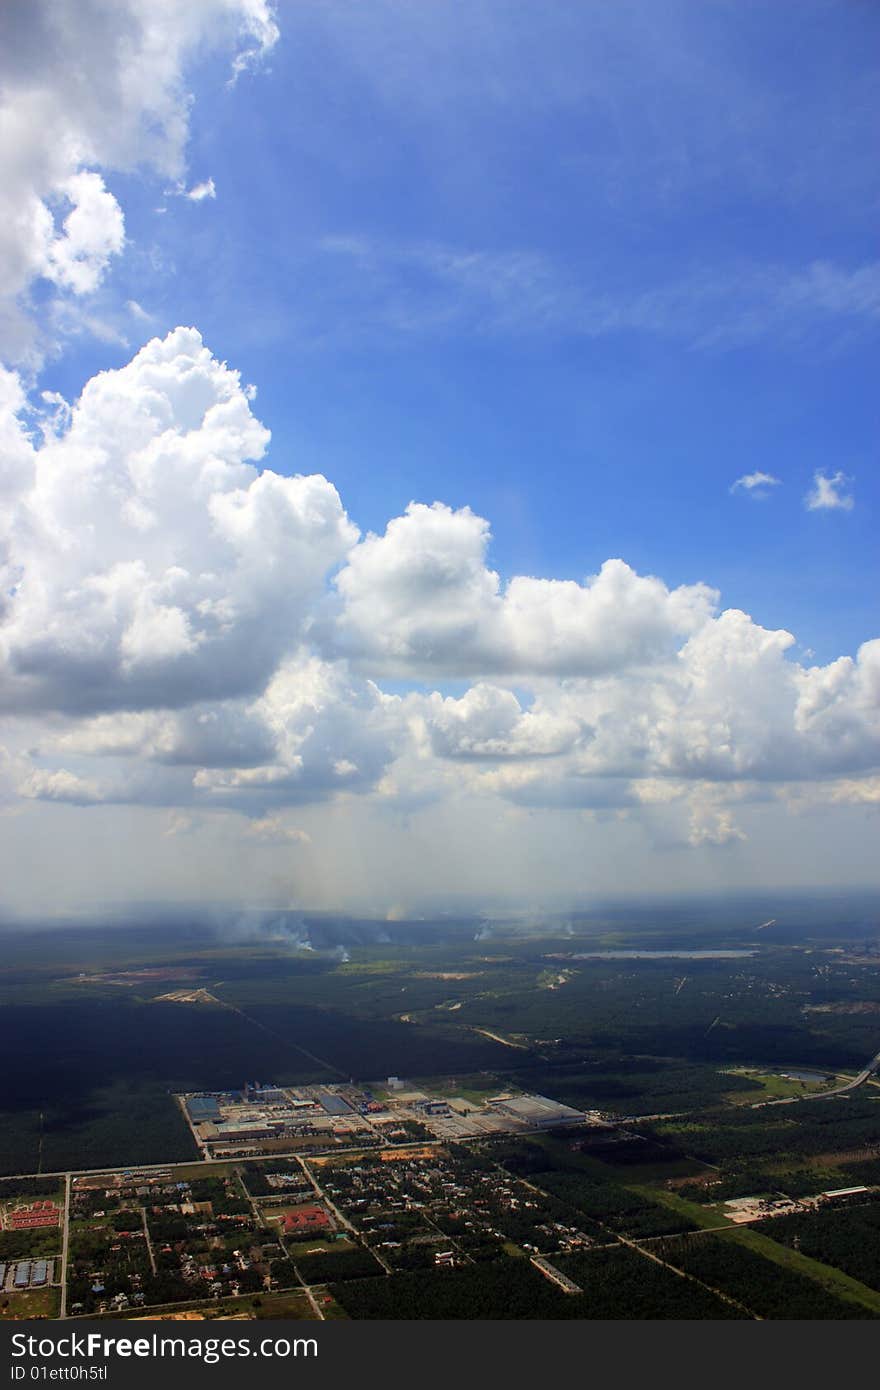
(188, 996)
(845, 1006)
(448, 974)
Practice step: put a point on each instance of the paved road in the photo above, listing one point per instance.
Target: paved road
(151, 1257)
(843, 1090)
(684, 1274)
(661, 1115)
(208, 1162)
(340, 1216)
(277, 1231)
(639, 1247)
(64, 1242)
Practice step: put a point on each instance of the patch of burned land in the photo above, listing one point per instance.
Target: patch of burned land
(845, 1006)
(149, 975)
(705, 1179)
(447, 974)
(837, 1158)
(189, 996)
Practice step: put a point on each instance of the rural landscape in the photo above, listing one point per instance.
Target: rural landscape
(640, 1114)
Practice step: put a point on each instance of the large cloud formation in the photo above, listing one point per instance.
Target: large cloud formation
(314, 732)
(728, 707)
(88, 87)
(187, 624)
(421, 599)
(184, 626)
(148, 562)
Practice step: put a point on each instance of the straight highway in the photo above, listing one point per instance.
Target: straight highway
(65, 1238)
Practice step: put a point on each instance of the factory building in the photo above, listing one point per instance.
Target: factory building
(203, 1108)
(22, 1274)
(256, 1093)
(332, 1103)
(555, 1275)
(238, 1131)
(538, 1112)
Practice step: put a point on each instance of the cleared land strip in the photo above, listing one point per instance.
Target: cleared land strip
(684, 1274)
(708, 1218)
(496, 1037)
(649, 1254)
(319, 1061)
(833, 1280)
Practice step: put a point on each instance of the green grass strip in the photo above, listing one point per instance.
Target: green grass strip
(833, 1280)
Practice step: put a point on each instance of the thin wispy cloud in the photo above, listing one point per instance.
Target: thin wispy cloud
(200, 191)
(701, 114)
(424, 289)
(138, 311)
(755, 484)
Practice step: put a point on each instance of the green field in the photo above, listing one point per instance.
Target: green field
(30, 1303)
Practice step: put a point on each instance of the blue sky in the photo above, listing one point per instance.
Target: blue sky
(558, 264)
(576, 267)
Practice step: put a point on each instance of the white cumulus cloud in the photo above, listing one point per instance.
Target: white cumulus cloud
(148, 562)
(88, 88)
(730, 707)
(489, 723)
(272, 830)
(828, 493)
(60, 785)
(329, 733)
(171, 635)
(421, 600)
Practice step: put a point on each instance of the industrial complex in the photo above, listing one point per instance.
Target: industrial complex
(307, 1193)
(268, 1119)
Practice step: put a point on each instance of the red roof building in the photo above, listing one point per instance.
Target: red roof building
(30, 1217)
(305, 1220)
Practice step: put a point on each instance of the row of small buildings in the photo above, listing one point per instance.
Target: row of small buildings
(33, 1216)
(25, 1274)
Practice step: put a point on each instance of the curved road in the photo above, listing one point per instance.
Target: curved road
(843, 1090)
